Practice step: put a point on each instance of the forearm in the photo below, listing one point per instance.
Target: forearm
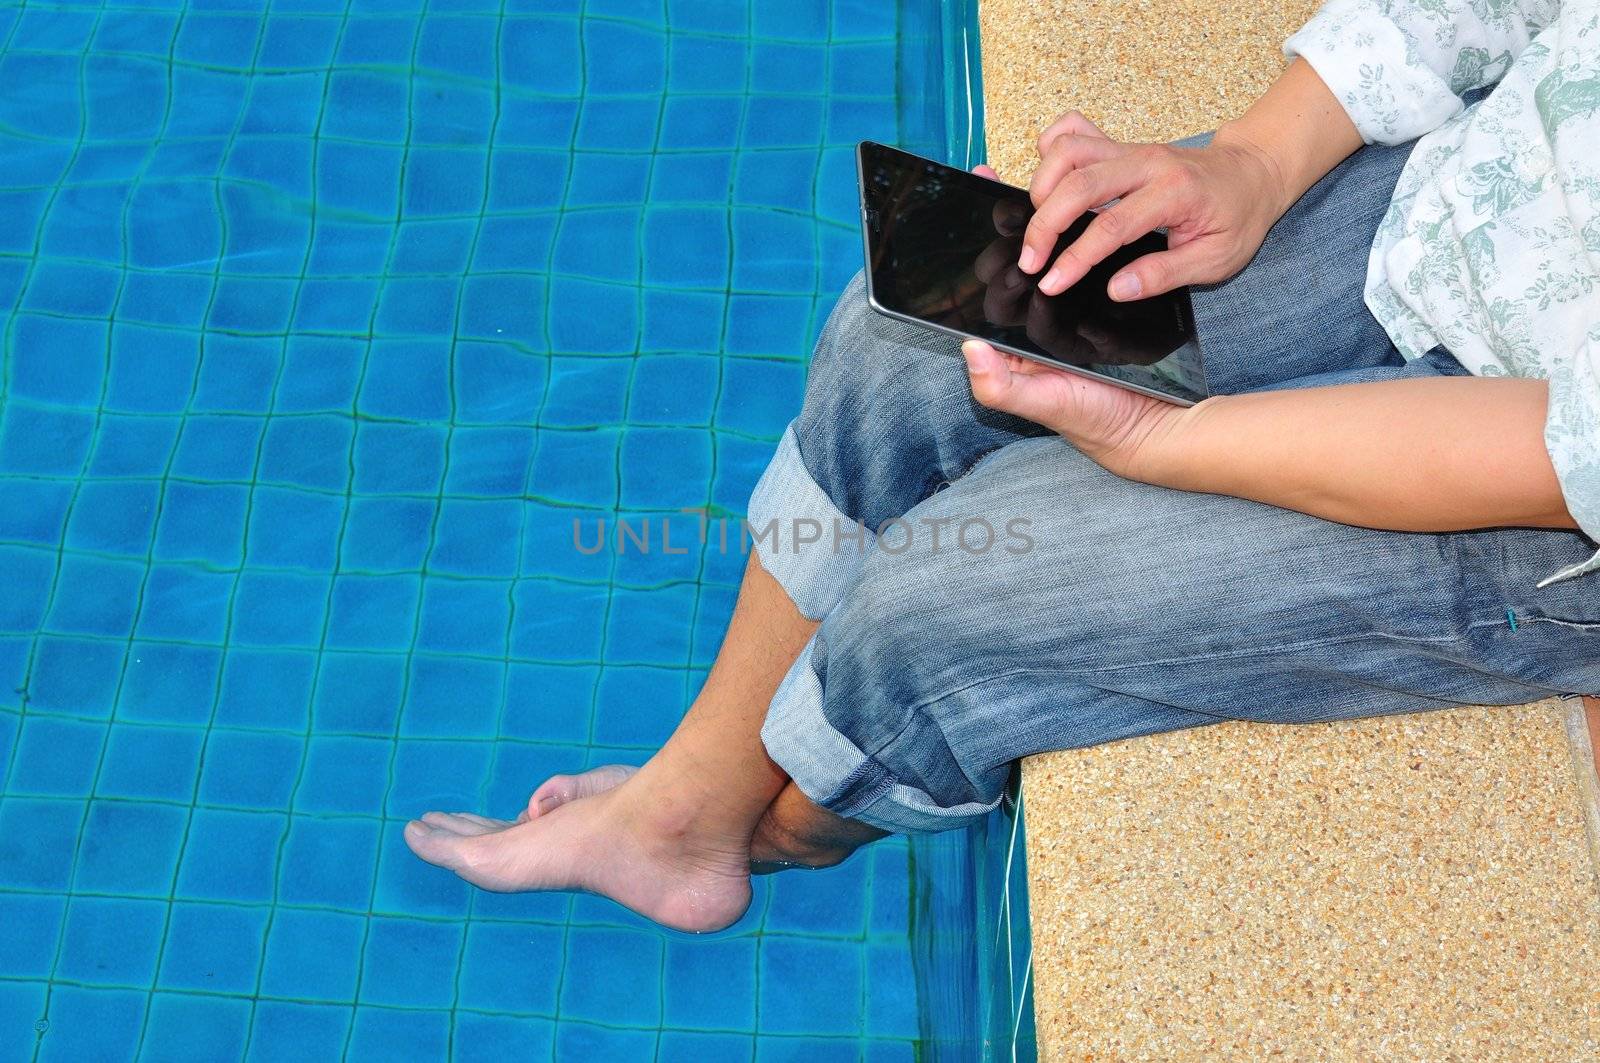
(1441, 454)
(1300, 129)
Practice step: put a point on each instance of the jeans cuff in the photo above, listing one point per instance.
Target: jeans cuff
(804, 541)
(832, 770)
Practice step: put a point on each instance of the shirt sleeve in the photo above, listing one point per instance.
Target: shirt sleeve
(1400, 67)
(1572, 434)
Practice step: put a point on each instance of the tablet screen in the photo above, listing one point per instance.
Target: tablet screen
(942, 247)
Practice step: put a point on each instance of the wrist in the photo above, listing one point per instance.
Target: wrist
(1277, 189)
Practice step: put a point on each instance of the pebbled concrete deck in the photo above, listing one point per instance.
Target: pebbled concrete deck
(1417, 887)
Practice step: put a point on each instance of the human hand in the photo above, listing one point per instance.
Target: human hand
(1123, 430)
(1216, 203)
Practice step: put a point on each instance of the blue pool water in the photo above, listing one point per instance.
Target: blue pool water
(322, 322)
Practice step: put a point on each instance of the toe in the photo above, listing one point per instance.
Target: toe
(436, 845)
(559, 789)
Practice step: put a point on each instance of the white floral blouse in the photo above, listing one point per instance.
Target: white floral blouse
(1492, 244)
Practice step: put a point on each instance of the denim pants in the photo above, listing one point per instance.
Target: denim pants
(1020, 598)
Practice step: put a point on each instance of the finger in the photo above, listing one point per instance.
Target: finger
(1077, 192)
(986, 171)
(1002, 254)
(997, 387)
(1162, 271)
(1073, 123)
(1112, 228)
(1067, 154)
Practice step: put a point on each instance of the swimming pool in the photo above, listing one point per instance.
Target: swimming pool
(323, 322)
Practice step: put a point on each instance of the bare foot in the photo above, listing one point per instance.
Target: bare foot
(797, 832)
(559, 789)
(627, 843)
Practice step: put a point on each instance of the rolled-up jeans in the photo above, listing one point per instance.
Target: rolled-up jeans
(986, 592)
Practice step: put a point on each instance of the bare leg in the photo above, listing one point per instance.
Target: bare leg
(672, 841)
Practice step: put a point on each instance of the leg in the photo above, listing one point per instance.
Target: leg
(1139, 609)
(671, 841)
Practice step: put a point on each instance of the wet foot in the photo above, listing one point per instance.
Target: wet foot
(625, 843)
(559, 789)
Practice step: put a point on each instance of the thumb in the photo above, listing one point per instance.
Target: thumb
(1162, 271)
(997, 386)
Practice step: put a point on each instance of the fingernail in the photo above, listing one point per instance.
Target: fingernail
(1051, 280)
(1029, 259)
(1125, 286)
(547, 803)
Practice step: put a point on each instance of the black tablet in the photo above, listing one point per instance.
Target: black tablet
(942, 248)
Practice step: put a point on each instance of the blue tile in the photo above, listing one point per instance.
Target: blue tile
(311, 451)
(503, 308)
(168, 683)
(568, 542)
(32, 572)
(216, 40)
(154, 762)
(891, 991)
(465, 616)
(577, 467)
(76, 677)
(618, 720)
(359, 692)
(238, 373)
(778, 67)
(197, 1028)
(710, 984)
(723, 17)
(95, 597)
(344, 775)
(558, 621)
(452, 113)
(333, 862)
(513, 243)
(298, 43)
(527, 180)
(511, 967)
(384, 1033)
(477, 538)
(230, 856)
(212, 947)
(599, 245)
(686, 246)
(489, 461)
(399, 458)
(575, 1040)
(111, 941)
(787, 962)
(680, 1047)
(586, 391)
(708, 64)
(35, 511)
(387, 534)
(773, 252)
(29, 932)
(313, 955)
(217, 448)
(542, 55)
(453, 697)
(831, 901)
(361, 178)
(768, 324)
(373, 612)
(113, 517)
(56, 758)
(321, 372)
(701, 123)
(692, 178)
(349, 247)
(433, 246)
(416, 306)
(294, 529)
(665, 468)
(341, 304)
(278, 609)
(42, 835)
(519, 767)
(408, 380)
(613, 976)
(266, 688)
(202, 522)
(57, 359)
(444, 181)
(650, 627)
(250, 770)
(790, 1049)
(548, 703)
(88, 1023)
(46, 442)
(133, 446)
(287, 1032)
(492, 1038)
(622, 59)
(758, 396)
(409, 962)
(432, 774)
